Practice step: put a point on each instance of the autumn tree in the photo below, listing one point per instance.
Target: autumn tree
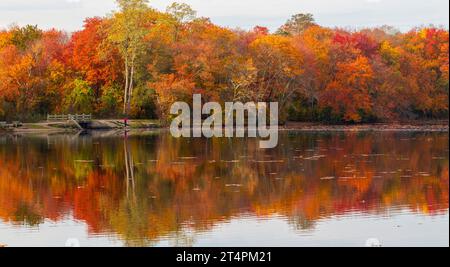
(81, 98)
(182, 12)
(297, 24)
(204, 60)
(22, 37)
(127, 32)
(348, 94)
(93, 58)
(30, 78)
(316, 46)
(426, 51)
(279, 65)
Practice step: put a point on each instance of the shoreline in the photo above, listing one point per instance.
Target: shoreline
(139, 125)
(416, 126)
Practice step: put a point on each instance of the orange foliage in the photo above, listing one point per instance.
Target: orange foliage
(175, 182)
(315, 73)
(348, 94)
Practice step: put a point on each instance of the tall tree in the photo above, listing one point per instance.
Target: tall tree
(182, 13)
(297, 24)
(279, 65)
(22, 37)
(315, 44)
(127, 32)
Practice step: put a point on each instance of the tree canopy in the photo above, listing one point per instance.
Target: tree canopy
(137, 61)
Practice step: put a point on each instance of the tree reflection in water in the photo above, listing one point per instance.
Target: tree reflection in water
(147, 187)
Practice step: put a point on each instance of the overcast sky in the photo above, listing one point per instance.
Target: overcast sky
(403, 14)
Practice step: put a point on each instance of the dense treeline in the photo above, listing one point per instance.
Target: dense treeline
(138, 61)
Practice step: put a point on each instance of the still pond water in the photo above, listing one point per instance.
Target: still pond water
(149, 189)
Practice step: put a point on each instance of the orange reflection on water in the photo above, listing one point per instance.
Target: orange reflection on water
(148, 186)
